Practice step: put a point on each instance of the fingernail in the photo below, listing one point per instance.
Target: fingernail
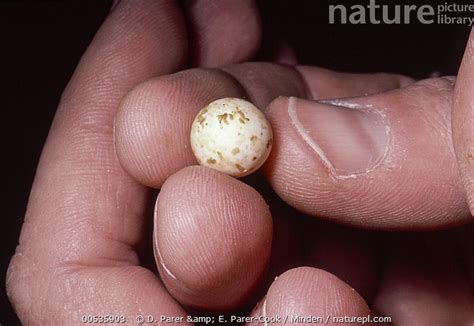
(348, 139)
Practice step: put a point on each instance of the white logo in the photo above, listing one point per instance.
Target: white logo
(373, 13)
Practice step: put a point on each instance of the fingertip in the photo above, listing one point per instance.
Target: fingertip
(306, 291)
(213, 238)
(153, 124)
(297, 187)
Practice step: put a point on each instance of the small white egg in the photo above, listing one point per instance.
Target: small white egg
(232, 136)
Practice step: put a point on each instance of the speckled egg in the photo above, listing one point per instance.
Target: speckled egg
(231, 135)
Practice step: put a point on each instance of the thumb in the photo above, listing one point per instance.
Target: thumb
(383, 161)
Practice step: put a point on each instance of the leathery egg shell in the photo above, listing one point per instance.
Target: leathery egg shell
(231, 135)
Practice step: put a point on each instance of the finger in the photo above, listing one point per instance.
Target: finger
(310, 293)
(324, 83)
(463, 120)
(425, 273)
(380, 161)
(212, 237)
(153, 123)
(86, 216)
(223, 32)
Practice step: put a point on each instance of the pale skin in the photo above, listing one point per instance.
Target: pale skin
(123, 124)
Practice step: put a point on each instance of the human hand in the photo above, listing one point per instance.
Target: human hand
(388, 165)
(80, 247)
(94, 214)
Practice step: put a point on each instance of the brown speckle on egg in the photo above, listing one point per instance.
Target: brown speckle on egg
(269, 143)
(235, 151)
(201, 118)
(223, 117)
(242, 118)
(240, 168)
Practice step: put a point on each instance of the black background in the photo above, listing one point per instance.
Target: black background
(42, 41)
